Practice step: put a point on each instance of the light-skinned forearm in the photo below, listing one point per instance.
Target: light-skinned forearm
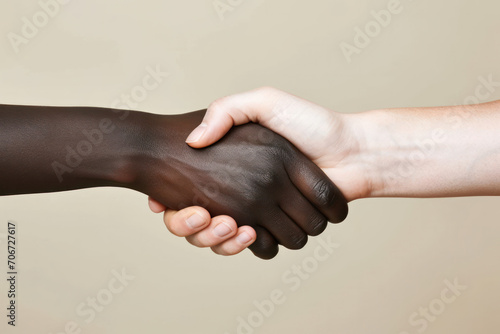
(429, 152)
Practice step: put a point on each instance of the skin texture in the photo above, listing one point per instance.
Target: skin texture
(403, 152)
(252, 174)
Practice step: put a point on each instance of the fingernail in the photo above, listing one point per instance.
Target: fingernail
(244, 238)
(222, 230)
(197, 133)
(195, 221)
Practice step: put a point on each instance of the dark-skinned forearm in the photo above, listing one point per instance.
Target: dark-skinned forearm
(46, 149)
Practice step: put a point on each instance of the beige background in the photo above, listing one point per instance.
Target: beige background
(393, 255)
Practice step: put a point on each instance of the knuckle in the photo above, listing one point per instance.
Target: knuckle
(266, 90)
(251, 197)
(325, 194)
(267, 178)
(263, 179)
(218, 105)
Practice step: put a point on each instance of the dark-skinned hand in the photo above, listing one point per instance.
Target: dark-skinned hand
(252, 174)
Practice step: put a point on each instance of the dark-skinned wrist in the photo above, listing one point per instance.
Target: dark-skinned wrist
(116, 140)
(153, 155)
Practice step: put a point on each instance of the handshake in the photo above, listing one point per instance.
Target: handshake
(248, 175)
(260, 189)
(239, 185)
(252, 176)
